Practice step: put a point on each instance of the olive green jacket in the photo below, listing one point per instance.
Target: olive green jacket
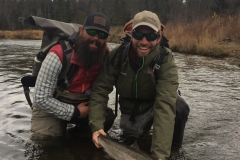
(140, 86)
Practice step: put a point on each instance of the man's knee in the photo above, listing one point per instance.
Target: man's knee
(182, 109)
(182, 112)
(46, 124)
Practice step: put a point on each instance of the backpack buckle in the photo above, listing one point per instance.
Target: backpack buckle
(66, 81)
(156, 66)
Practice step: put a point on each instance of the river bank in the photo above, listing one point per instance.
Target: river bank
(215, 37)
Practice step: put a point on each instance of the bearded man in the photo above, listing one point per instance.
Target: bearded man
(55, 106)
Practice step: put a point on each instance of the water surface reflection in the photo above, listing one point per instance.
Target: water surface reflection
(210, 86)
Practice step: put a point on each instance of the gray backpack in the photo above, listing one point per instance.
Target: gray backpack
(54, 32)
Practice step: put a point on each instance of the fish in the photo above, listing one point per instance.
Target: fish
(119, 151)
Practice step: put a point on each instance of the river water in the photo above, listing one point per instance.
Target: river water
(210, 86)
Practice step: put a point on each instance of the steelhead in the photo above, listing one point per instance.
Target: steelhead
(120, 151)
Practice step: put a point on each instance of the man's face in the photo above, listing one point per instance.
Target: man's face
(94, 42)
(90, 49)
(143, 46)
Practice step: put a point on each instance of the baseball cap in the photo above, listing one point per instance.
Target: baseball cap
(146, 18)
(97, 21)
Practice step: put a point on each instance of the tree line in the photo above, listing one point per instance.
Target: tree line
(118, 11)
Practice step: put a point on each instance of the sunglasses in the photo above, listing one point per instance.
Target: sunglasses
(149, 36)
(94, 32)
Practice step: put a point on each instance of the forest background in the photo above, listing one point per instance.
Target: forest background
(204, 27)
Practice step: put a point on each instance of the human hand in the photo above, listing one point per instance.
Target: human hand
(95, 137)
(83, 109)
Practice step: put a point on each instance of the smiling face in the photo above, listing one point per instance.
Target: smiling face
(94, 42)
(143, 47)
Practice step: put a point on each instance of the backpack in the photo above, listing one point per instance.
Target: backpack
(55, 32)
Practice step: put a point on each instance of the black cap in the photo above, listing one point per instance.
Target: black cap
(97, 21)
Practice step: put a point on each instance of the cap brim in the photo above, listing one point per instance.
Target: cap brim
(146, 24)
(94, 27)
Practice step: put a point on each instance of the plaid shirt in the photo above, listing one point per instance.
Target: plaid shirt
(45, 87)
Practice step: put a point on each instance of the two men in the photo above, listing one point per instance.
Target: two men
(147, 95)
(55, 104)
(144, 99)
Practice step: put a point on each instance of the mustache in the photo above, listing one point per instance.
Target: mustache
(98, 44)
(87, 55)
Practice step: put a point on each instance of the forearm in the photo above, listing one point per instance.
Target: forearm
(163, 128)
(98, 102)
(45, 87)
(102, 86)
(164, 112)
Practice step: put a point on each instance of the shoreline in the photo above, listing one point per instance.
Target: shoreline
(222, 49)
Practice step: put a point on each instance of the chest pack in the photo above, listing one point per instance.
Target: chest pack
(55, 32)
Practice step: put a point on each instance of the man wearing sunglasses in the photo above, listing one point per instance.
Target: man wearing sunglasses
(144, 100)
(54, 105)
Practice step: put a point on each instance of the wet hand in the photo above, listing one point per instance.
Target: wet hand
(95, 137)
(83, 109)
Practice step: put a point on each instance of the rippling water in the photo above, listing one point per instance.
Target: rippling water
(211, 87)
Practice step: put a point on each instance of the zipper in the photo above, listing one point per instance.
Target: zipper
(136, 78)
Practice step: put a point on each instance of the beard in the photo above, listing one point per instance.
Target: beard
(89, 56)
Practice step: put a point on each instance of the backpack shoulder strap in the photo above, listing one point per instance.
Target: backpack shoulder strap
(164, 42)
(122, 55)
(120, 52)
(68, 70)
(157, 61)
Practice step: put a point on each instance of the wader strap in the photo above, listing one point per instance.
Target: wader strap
(134, 111)
(26, 92)
(116, 104)
(28, 81)
(70, 98)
